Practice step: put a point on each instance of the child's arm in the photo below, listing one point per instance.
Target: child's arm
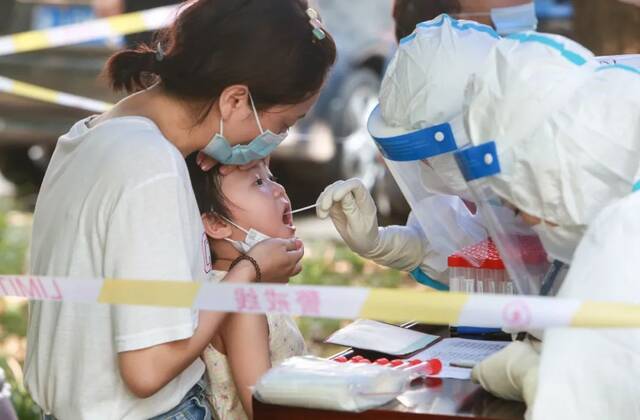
(147, 370)
(246, 341)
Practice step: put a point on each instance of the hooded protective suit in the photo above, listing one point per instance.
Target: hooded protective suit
(416, 124)
(567, 134)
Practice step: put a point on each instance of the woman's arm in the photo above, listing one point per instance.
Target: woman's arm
(246, 341)
(146, 371)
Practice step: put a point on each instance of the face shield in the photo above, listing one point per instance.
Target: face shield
(418, 123)
(446, 220)
(519, 246)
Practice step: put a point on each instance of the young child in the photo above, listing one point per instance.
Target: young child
(247, 344)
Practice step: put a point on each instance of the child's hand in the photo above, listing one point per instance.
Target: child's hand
(278, 258)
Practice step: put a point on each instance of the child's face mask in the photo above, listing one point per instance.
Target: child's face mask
(252, 239)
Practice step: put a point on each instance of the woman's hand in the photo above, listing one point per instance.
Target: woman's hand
(279, 259)
(205, 162)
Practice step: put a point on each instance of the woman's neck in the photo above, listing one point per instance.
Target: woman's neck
(172, 116)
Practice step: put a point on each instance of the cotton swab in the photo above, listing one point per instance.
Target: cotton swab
(303, 209)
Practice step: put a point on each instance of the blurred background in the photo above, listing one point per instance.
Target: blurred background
(330, 143)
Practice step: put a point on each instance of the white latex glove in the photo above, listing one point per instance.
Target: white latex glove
(354, 215)
(511, 373)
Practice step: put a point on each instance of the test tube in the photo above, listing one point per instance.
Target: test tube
(492, 280)
(508, 288)
(469, 282)
(455, 278)
(480, 281)
(424, 368)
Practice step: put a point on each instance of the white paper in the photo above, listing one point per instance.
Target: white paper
(460, 349)
(384, 338)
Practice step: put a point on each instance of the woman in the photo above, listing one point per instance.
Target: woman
(117, 202)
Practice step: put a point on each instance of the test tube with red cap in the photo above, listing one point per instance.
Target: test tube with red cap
(424, 368)
(477, 269)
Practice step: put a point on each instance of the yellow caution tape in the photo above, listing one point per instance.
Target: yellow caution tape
(129, 23)
(39, 93)
(392, 305)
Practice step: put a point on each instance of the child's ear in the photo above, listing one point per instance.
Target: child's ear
(215, 227)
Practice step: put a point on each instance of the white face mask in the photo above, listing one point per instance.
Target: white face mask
(509, 20)
(559, 242)
(252, 239)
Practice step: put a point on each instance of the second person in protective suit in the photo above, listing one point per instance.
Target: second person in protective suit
(567, 137)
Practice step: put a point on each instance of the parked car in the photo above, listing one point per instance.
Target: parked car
(332, 141)
(29, 129)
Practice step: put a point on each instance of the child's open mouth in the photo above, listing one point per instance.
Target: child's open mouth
(287, 217)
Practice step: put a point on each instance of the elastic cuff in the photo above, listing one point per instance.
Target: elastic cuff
(419, 276)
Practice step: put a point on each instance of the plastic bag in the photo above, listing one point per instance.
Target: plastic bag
(320, 383)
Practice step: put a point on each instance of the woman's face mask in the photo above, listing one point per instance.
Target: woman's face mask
(260, 147)
(278, 117)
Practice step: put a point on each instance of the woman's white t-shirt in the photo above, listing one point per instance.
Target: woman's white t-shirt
(116, 202)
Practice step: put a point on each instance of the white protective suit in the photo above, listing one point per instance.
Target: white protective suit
(593, 374)
(567, 133)
(420, 100)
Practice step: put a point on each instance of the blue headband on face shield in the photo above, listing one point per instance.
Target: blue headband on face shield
(241, 154)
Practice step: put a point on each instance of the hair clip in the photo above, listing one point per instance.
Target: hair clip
(159, 52)
(314, 20)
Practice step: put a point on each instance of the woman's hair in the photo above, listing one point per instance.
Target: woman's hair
(408, 13)
(207, 189)
(267, 45)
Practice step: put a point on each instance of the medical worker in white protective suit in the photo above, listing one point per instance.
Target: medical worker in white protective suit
(416, 126)
(566, 138)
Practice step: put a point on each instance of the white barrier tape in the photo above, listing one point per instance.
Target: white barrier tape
(129, 23)
(27, 90)
(392, 305)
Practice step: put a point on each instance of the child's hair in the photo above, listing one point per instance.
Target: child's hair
(207, 189)
(267, 45)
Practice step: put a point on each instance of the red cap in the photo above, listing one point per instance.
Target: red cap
(483, 254)
(434, 366)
